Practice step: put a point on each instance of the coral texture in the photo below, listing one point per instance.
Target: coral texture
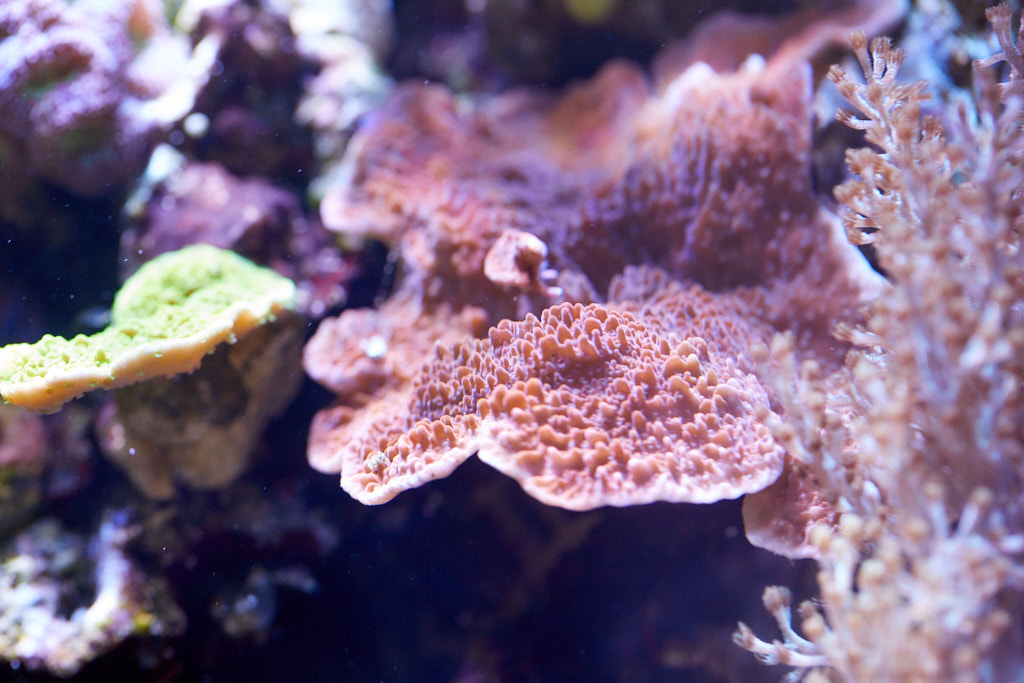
(927, 554)
(509, 204)
(585, 406)
(85, 88)
(164, 320)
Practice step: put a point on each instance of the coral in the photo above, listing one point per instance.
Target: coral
(201, 429)
(506, 205)
(365, 352)
(85, 89)
(783, 517)
(520, 165)
(676, 180)
(516, 261)
(164, 321)
(921, 578)
(64, 600)
(182, 203)
(584, 406)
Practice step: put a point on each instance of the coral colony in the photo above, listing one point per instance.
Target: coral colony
(617, 273)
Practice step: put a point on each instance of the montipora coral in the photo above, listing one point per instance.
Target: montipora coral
(920, 441)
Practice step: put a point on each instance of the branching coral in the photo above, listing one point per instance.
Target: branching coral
(923, 578)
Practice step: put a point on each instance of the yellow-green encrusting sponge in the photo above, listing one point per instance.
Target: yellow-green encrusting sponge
(165, 319)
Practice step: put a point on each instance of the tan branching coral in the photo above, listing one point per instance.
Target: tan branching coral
(922, 577)
(585, 406)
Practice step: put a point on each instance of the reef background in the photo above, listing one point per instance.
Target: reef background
(281, 575)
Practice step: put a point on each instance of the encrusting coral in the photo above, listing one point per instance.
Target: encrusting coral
(508, 205)
(585, 406)
(923, 576)
(201, 429)
(164, 321)
(174, 316)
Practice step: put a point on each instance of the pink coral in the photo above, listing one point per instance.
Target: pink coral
(508, 205)
(585, 406)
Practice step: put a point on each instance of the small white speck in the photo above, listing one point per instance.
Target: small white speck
(375, 347)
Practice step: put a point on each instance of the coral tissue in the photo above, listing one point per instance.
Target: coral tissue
(617, 385)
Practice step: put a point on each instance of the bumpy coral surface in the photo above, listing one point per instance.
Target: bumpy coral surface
(164, 320)
(366, 351)
(510, 204)
(585, 406)
(707, 179)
